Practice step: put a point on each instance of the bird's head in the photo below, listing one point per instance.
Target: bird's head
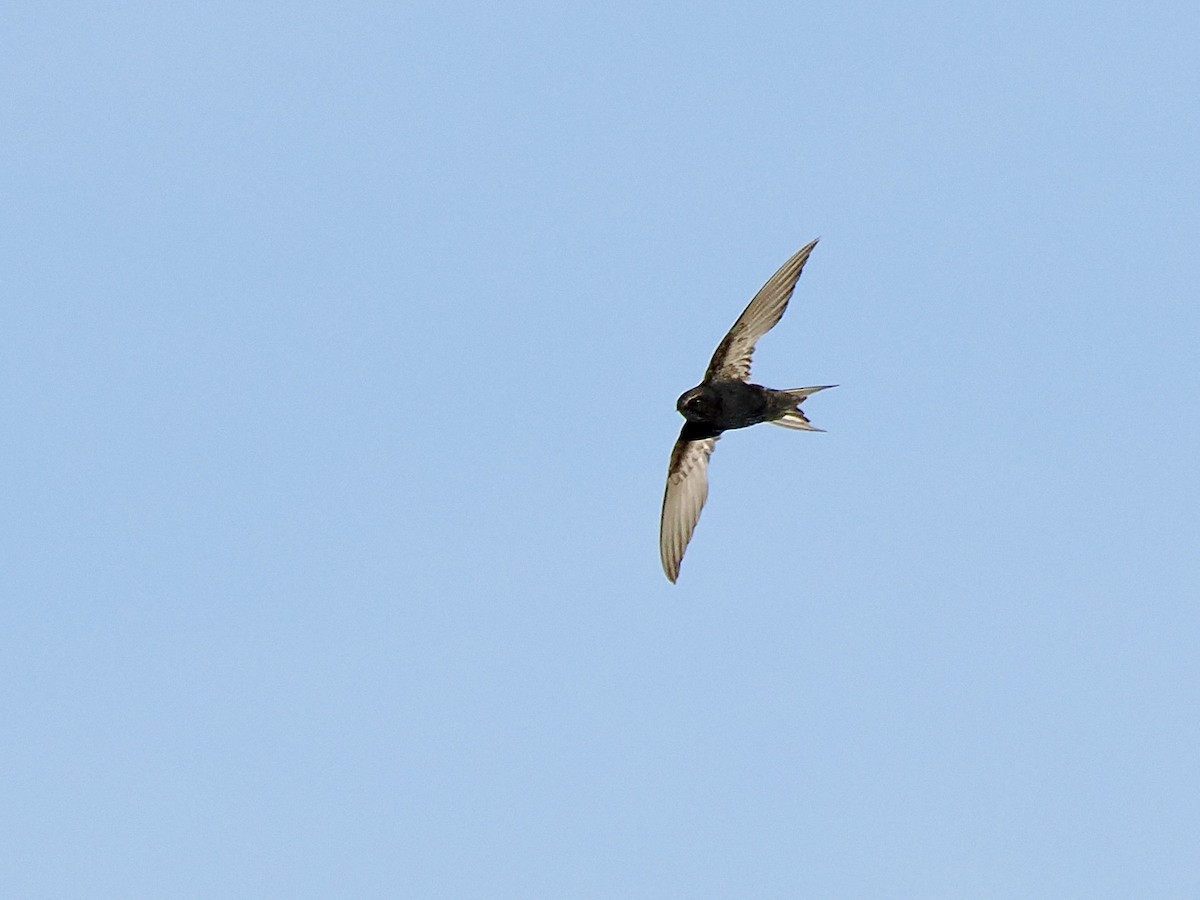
(695, 404)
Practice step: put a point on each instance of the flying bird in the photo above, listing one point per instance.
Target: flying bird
(725, 399)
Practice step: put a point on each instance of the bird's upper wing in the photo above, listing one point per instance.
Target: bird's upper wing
(732, 358)
(687, 489)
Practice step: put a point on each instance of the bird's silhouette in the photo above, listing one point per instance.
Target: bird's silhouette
(725, 400)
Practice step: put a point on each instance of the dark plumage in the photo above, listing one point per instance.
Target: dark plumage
(725, 400)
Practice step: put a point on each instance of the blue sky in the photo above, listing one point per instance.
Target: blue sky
(340, 351)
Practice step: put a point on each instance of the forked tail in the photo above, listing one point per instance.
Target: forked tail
(793, 416)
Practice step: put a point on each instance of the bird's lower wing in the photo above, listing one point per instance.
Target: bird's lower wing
(687, 489)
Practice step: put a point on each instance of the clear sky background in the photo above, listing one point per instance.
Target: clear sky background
(339, 347)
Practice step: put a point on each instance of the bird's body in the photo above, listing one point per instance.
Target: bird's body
(723, 401)
(726, 404)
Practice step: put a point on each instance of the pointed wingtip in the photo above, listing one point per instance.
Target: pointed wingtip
(672, 572)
